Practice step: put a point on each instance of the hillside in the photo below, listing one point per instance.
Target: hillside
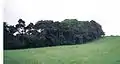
(103, 51)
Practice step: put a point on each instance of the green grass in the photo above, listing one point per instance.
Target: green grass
(102, 51)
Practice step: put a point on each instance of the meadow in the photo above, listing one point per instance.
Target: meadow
(102, 51)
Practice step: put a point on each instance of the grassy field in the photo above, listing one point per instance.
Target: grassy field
(103, 51)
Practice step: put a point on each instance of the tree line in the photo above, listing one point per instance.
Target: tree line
(46, 33)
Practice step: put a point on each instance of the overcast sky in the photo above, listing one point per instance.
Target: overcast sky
(105, 12)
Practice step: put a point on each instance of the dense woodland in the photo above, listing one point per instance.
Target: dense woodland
(46, 33)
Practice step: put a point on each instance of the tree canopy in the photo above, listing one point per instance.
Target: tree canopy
(50, 33)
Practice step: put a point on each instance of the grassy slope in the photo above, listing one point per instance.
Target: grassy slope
(103, 51)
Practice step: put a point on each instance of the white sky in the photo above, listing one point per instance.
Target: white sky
(105, 12)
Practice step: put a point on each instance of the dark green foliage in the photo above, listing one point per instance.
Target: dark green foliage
(11, 41)
(49, 33)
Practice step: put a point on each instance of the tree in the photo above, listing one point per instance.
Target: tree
(10, 41)
(49, 33)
